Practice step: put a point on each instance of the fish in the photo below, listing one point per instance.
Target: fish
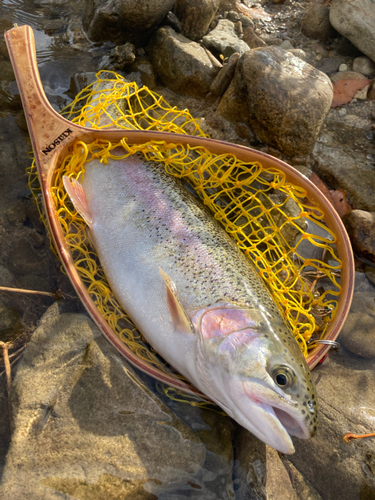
(195, 297)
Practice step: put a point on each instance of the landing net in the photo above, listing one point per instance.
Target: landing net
(272, 220)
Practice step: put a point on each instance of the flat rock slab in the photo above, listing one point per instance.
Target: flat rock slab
(281, 97)
(355, 20)
(85, 427)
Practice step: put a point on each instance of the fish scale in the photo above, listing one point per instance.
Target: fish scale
(196, 298)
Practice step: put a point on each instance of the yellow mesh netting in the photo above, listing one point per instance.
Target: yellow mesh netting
(272, 221)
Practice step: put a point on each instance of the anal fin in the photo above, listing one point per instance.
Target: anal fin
(180, 319)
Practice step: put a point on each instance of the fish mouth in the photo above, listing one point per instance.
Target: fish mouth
(276, 413)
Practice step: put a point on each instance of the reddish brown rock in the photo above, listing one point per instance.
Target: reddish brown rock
(361, 229)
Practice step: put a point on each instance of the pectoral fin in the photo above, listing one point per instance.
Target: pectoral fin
(180, 320)
(78, 198)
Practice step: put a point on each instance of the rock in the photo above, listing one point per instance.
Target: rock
(300, 53)
(6, 277)
(124, 20)
(183, 66)
(282, 98)
(361, 229)
(10, 322)
(173, 21)
(225, 75)
(195, 16)
(341, 170)
(216, 431)
(120, 56)
(370, 273)
(79, 81)
(227, 5)
(26, 260)
(271, 39)
(347, 75)
(364, 65)
(346, 390)
(343, 67)
(84, 425)
(224, 41)
(332, 64)
(259, 472)
(303, 488)
(319, 49)
(235, 16)
(252, 39)
(286, 45)
(355, 20)
(148, 75)
(371, 91)
(358, 333)
(315, 21)
(345, 48)
(362, 93)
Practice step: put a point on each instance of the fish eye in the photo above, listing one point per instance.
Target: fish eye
(283, 376)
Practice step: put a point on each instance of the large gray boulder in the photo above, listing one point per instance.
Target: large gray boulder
(124, 21)
(84, 426)
(183, 66)
(355, 19)
(282, 98)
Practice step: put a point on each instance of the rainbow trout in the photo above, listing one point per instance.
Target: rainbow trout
(196, 298)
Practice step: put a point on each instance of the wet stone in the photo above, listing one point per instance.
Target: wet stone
(358, 333)
(224, 41)
(84, 425)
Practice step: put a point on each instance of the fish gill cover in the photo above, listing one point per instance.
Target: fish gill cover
(272, 220)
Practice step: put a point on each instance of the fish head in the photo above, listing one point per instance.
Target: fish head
(251, 366)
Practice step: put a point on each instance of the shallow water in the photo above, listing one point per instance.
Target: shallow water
(26, 261)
